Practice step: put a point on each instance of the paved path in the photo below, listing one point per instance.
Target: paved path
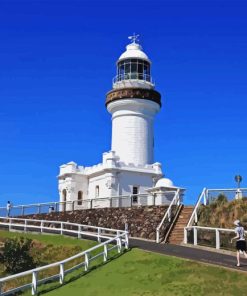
(191, 253)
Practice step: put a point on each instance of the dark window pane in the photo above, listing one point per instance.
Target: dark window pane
(133, 67)
(127, 68)
(140, 68)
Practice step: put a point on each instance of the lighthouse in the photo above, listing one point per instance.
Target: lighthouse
(133, 103)
(128, 174)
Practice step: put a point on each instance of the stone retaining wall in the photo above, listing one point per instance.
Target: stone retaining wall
(142, 221)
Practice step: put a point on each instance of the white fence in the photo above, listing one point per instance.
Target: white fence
(132, 200)
(217, 233)
(169, 213)
(114, 239)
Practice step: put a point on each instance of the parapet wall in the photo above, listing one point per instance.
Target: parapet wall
(142, 221)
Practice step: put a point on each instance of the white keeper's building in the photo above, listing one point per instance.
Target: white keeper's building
(129, 168)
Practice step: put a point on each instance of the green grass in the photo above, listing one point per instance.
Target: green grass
(58, 240)
(139, 273)
(143, 273)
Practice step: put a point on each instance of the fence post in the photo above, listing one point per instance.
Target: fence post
(157, 236)
(25, 227)
(61, 274)
(73, 206)
(217, 233)
(105, 254)
(10, 221)
(79, 231)
(185, 236)
(126, 240)
(99, 232)
(34, 283)
(61, 228)
(86, 261)
(119, 242)
(195, 236)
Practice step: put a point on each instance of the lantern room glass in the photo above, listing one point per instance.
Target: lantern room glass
(133, 69)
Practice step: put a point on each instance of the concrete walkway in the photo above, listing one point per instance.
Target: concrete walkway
(191, 253)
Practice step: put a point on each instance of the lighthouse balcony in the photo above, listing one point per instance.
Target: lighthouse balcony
(133, 80)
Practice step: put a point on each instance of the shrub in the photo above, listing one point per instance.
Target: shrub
(16, 255)
(221, 199)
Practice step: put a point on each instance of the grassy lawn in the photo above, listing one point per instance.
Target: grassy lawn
(140, 273)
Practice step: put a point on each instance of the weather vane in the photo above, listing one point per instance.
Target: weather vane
(134, 38)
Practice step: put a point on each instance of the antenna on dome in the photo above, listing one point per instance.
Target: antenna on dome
(134, 38)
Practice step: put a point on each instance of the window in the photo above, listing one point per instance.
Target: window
(135, 191)
(80, 196)
(133, 69)
(97, 191)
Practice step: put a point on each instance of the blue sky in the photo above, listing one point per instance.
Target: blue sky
(57, 60)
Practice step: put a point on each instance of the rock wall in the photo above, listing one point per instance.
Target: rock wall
(142, 221)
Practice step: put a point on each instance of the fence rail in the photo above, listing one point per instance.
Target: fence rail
(133, 200)
(114, 239)
(215, 239)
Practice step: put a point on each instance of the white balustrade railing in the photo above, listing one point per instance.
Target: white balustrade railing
(216, 230)
(114, 239)
(104, 202)
(167, 217)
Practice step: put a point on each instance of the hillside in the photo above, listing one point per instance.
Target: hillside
(222, 213)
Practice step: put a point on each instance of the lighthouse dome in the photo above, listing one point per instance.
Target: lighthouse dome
(164, 182)
(134, 51)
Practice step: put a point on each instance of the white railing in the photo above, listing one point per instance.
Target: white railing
(114, 239)
(217, 232)
(167, 217)
(201, 200)
(209, 195)
(104, 202)
(133, 76)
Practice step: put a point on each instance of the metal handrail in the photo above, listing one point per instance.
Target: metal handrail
(72, 205)
(175, 201)
(120, 238)
(133, 76)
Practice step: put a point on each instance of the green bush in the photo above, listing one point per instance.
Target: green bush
(16, 255)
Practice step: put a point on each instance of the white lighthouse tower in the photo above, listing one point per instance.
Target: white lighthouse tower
(133, 103)
(128, 169)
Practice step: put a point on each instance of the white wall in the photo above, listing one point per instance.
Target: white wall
(129, 179)
(132, 130)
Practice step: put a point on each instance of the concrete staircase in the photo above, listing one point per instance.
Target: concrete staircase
(177, 233)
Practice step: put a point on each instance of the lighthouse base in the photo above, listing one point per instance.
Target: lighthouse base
(111, 183)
